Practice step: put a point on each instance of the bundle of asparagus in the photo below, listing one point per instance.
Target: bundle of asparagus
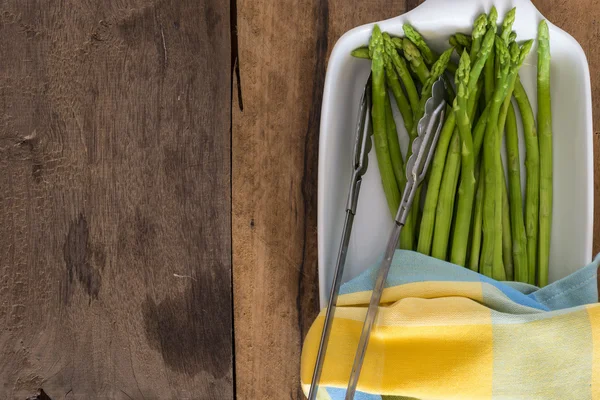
(472, 215)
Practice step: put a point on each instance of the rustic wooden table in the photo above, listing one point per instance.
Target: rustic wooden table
(158, 166)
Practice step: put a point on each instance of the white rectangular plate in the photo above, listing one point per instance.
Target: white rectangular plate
(436, 20)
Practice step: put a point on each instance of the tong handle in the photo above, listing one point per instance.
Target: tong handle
(384, 268)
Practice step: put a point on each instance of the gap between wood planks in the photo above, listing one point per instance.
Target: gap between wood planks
(235, 81)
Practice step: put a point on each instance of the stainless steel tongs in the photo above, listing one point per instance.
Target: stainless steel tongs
(362, 147)
(416, 168)
(423, 147)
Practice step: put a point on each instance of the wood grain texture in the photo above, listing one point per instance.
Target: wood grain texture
(283, 52)
(115, 257)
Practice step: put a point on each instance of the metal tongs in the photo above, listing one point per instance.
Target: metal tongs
(362, 147)
(423, 148)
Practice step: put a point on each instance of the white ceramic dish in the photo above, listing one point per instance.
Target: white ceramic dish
(571, 245)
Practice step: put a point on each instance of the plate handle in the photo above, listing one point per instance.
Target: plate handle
(525, 8)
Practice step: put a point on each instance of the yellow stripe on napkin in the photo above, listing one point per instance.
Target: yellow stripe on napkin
(419, 348)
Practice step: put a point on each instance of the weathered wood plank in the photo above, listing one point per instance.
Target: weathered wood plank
(115, 200)
(283, 52)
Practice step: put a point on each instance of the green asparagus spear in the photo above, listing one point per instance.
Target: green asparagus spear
(509, 20)
(544, 120)
(460, 42)
(507, 23)
(503, 240)
(479, 30)
(388, 179)
(532, 178)
(475, 250)
(466, 191)
(489, 74)
(474, 90)
(438, 68)
(443, 211)
(512, 37)
(477, 225)
(479, 63)
(413, 55)
(516, 60)
(397, 43)
(491, 256)
(394, 146)
(398, 62)
(518, 56)
(507, 251)
(402, 70)
(463, 40)
(407, 234)
(415, 37)
(479, 131)
(433, 187)
(361, 52)
(428, 56)
(446, 197)
(401, 100)
(476, 112)
(519, 245)
(458, 47)
(519, 259)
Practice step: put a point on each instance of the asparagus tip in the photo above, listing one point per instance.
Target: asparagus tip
(509, 20)
(452, 41)
(493, 17)
(543, 31)
(510, 15)
(408, 29)
(462, 75)
(525, 49)
(480, 26)
(361, 52)
(514, 52)
(441, 64)
(463, 39)
(410, 50)
(488, 39)
(502, 53)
